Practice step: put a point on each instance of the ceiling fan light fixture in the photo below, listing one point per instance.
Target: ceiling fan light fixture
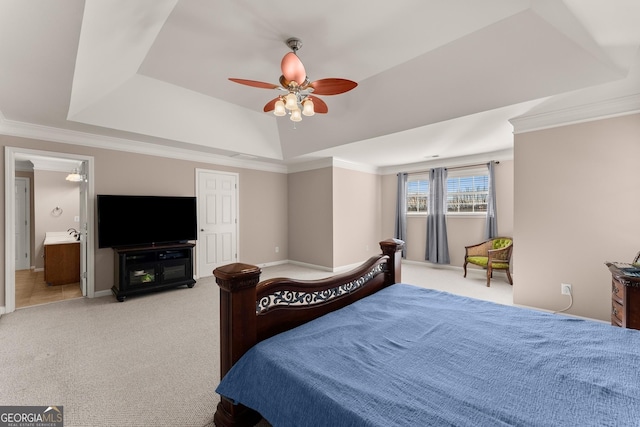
(296, 116)
(291, 101)
(307, 107)
(279, 109)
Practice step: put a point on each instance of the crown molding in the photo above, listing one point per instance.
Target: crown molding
(310, 165)
(345, 164)
(449, 162)
(331, 162)
(85, 139)
(577, 114)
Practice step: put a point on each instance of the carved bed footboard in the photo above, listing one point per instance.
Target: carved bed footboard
(251, 311)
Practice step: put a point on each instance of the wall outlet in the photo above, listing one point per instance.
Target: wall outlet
(277, 249)
(565, 289)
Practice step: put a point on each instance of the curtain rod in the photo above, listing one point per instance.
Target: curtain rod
(471, 166)
(497, 162)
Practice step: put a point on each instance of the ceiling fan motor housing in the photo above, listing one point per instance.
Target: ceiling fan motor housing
(294, 43)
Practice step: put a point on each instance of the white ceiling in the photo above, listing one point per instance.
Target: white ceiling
(437, 79)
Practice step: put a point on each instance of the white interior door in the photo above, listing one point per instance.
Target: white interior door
(22, 225)
(217, 220)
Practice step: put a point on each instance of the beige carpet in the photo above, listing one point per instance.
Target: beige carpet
(152, 360)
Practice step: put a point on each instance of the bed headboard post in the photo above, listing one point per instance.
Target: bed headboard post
(237, 291)
(237, 331)
(393, 249)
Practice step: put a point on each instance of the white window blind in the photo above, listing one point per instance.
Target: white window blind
(467, 191)
(417, 193)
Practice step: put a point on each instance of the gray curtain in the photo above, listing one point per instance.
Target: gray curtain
(401, 210)
(491, 226)
(437, 250)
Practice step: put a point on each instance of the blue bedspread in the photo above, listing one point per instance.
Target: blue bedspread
(408, 356)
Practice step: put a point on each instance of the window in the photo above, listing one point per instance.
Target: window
(466, 194)
(467, 191)
(417, 193)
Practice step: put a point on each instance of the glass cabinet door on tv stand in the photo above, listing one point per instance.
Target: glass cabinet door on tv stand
(152, 268)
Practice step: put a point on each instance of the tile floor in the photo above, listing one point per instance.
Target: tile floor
(31, 289)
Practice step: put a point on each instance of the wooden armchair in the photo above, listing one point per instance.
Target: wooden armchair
(492, 254)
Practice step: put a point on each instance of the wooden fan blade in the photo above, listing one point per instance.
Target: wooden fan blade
(271, 105)
(332, 86)
(319, 105)
(254, 83)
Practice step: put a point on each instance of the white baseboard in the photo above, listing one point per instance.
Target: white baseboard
(274, 263)
(305, 264)
(470, 270)
(575, 316)
(104, 293)
(432, 265)
(340, 269)
(347, 267)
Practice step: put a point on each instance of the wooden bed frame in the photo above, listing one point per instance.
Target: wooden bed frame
(251, 311)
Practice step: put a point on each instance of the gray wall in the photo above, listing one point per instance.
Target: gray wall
(357, 218)
(263, 197)
(334, 217)
(576, 207)
(52, 190)
(311, 217)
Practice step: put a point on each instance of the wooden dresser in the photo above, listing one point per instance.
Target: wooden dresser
(625, 295)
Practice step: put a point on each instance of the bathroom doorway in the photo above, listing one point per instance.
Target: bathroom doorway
(50, 213)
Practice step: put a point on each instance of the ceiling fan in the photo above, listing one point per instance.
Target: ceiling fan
(301, 94)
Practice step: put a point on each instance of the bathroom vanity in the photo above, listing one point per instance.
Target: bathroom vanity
(61, 258)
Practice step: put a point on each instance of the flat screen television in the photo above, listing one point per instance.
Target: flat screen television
(145, 220)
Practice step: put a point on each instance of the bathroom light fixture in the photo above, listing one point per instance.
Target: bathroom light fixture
(74, 176)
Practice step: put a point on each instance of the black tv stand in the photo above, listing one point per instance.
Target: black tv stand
(152, 268)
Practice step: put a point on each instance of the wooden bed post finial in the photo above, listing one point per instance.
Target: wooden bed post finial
(393, 249)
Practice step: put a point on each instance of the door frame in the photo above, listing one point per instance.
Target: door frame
(9, 215)
(237, 232)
